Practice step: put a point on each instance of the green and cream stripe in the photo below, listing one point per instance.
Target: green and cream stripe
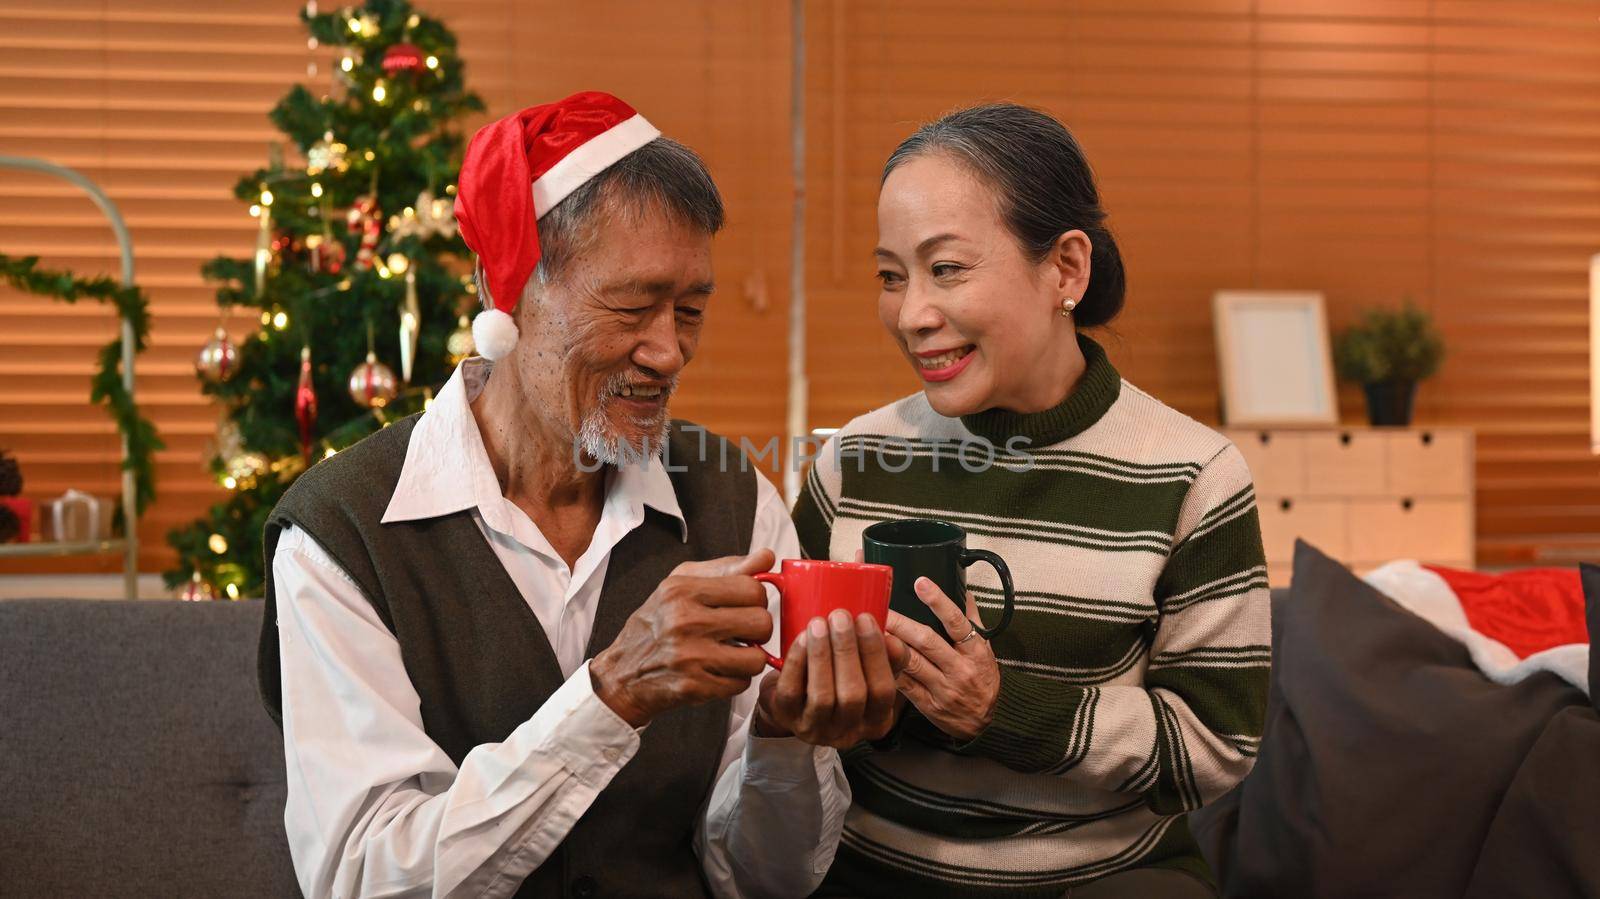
(1133, 676)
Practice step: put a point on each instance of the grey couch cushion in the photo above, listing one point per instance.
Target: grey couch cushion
(135, 756)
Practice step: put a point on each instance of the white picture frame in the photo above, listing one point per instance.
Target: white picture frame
(1274, 359)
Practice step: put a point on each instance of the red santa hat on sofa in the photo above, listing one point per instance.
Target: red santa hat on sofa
(516, 170)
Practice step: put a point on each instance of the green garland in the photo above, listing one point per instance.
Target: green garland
(24, 274)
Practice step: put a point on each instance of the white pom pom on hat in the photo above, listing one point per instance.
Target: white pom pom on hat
(517, 169)
(494, 333)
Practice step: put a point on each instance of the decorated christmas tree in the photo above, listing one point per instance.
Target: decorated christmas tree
(358, 281)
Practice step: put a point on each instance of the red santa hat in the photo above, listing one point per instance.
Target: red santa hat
(516, 170)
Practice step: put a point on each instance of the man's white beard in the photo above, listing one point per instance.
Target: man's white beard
(597, 441)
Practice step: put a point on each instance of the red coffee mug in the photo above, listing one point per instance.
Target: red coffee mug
(812, 588)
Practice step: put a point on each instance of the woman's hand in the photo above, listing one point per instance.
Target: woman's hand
(954, 686)
(837, 687)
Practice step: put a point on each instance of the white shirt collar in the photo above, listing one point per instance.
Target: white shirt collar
(447, 468)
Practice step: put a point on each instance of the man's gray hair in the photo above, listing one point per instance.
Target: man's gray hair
(661, 176)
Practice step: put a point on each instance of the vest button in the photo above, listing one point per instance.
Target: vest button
(584, 887)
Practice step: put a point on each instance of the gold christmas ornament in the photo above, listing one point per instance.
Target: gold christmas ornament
(327, 154)
(429, 217)
(460, 344)
(373, 384)
(218, 359)
(242, 469)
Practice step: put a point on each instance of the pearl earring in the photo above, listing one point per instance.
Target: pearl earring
(1067, 305)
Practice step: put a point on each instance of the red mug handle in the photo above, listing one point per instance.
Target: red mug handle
(775, 578)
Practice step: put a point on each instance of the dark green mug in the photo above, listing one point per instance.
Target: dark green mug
(936, 550)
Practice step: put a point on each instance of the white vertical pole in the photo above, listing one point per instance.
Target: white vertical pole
(798, 390)
(1594, 354)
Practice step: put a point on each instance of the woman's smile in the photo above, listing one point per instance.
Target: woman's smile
(944, 364)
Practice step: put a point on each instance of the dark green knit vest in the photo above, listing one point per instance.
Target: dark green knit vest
(482, 664)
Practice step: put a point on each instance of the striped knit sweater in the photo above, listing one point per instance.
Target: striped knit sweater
(1133, 679)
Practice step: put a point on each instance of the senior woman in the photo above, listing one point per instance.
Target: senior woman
(1130, 688)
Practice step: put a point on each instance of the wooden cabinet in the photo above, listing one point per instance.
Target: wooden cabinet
(1363, 495)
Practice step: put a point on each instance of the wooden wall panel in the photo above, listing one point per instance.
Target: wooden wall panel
(1440, 150)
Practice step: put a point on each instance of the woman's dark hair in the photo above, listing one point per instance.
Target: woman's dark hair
(1043, 184)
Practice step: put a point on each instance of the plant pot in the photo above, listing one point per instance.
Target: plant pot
(1389, 403)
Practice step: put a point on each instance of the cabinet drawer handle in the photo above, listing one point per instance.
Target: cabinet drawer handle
(1285, 504)
(1427, 438)
(1265, 438)
(1344, 438)
(1407, 503)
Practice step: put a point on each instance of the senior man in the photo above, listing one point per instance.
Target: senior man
(507, 660)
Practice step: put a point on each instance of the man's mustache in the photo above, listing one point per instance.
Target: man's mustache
(614, 385)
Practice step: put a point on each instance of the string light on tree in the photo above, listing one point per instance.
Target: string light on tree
(311, 41)
(364, 25)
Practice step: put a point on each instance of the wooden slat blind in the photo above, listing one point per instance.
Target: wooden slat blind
(163, 102)
(1441, 150)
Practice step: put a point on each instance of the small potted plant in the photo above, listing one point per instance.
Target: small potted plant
(1388, 352)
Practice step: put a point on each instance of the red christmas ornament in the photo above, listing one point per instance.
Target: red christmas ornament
(305, 404)
(373, 384)
(405, 58)
(326, 253)
(364, 218)
(197, 590)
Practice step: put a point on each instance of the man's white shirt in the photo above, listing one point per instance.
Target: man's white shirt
(376, 807)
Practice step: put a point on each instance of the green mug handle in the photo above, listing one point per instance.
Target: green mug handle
(971, 556)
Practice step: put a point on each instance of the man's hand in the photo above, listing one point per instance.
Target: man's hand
(837, 684)
(674, 650)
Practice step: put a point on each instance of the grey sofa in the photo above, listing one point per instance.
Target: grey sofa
(135, 756)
